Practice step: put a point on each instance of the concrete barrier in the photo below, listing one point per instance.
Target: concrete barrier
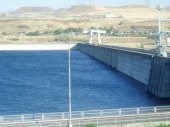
(151, 70)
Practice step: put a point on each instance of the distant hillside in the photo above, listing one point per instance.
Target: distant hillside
(83, 8)
(135, 6)
(34, 9)
(77, 9)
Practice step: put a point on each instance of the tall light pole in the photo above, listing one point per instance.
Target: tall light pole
(69, 82)
(161, 51)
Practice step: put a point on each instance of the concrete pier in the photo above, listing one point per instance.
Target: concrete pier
(151, 70)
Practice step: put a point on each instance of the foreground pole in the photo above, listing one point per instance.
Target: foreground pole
(69, 73)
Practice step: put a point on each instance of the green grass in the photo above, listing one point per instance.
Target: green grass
(91, 125)
(163, 125)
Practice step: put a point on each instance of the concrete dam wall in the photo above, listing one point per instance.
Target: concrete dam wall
(151, 70)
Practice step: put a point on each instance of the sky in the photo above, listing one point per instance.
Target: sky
(10, 5)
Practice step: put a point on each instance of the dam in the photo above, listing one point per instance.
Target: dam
(151, 70)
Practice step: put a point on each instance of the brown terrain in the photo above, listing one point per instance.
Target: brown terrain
(127, 19)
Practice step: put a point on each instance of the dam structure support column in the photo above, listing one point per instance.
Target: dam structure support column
(98, 36)
(151, 70)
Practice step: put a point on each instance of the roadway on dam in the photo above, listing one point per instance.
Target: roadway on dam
(151, 51)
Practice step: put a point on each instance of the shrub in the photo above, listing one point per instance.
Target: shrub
(4, 33)
(75, 30)
(59, 31)
(64, 38)
(47, 32)
(36, 33)
(14, 39)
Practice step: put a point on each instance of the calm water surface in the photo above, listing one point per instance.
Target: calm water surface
(37, 81)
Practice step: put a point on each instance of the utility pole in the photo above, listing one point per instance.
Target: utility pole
(160, 47)
(69, 82)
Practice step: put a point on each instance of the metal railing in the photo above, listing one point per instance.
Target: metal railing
(84, 114)
(95, 121)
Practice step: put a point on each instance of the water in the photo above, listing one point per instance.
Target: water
(37, 81)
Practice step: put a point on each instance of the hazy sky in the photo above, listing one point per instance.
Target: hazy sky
(8, 5)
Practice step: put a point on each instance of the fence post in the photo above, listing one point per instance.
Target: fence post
(120, 112)
(149, 120)
(22, 117)
(62, 115)
(97, 122)
(155, 109)
(82, 114)
(1, 118)
(42, 115)
(115, 122)
(137, 110)
(79, 123)
(133, 121)
(101, 113)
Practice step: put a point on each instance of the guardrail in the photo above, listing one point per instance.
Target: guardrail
(84, 114)
(95, 121)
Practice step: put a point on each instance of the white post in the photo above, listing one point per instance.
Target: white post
(159, 25)
(82, 114)
(91, 37)
(137, 110)
(69, 76)
(1, 118)
(120, 112)
(62, 115)
(98, 37)
(101, 113)
(22, 117)
(42, 116)
(97, 122)
(155, 109)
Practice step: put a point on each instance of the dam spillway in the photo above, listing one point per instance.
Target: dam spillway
(151, 70)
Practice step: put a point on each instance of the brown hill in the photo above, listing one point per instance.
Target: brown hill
(34, 9)
(84, 9)
(135, 6)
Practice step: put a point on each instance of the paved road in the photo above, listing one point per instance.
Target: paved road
(153, 51)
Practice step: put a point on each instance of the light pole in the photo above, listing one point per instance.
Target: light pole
(161, 51)
(69, 82)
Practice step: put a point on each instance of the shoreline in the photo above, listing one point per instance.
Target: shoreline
(38, 47)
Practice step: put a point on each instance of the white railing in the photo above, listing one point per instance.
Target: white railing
(95, 121)
(84, 114)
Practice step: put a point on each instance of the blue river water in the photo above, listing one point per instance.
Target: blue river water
(37, 81)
